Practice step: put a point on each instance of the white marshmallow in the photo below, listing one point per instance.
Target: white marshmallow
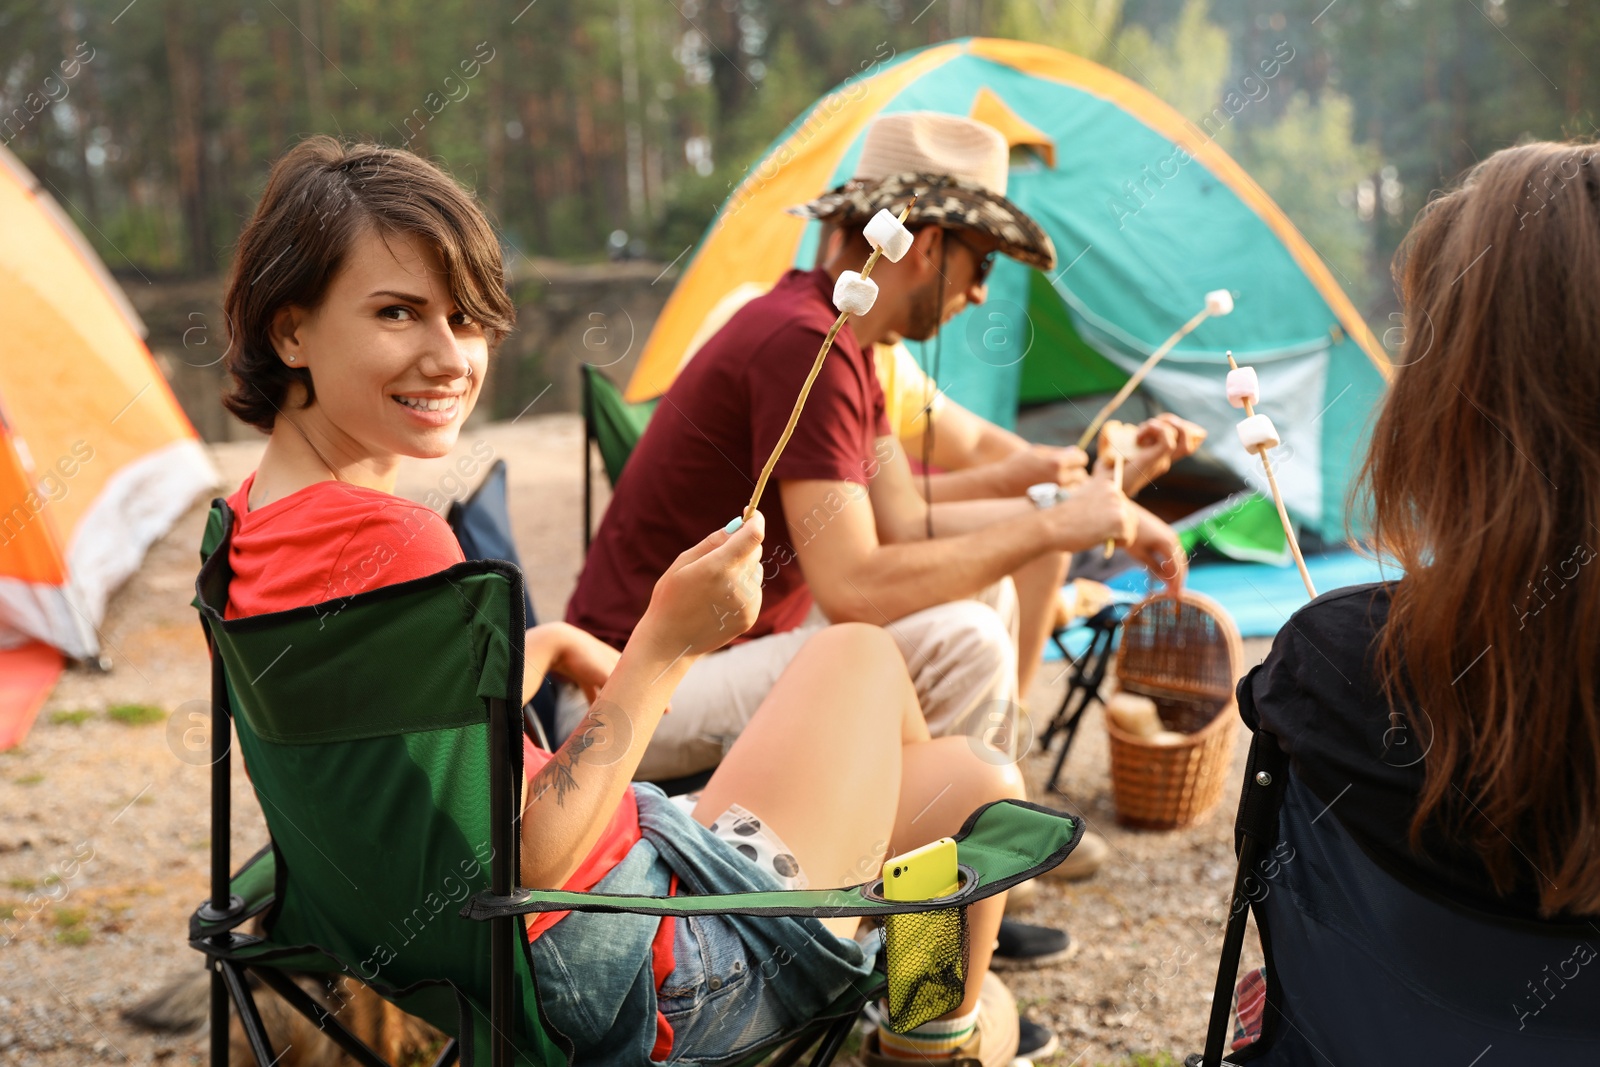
(1219, 302)
(1243, 386)
(854, 294)
(887, 232)
(1257, 433)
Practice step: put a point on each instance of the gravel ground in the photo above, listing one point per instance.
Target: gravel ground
(103, 848)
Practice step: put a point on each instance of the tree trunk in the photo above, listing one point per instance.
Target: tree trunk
(312, 60)
(84, 113)
(188, 145)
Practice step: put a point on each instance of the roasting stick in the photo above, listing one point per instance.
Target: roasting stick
(1116, 480)
(1218, 302)
(1277, 495)
(1117, 439)
(805, 390)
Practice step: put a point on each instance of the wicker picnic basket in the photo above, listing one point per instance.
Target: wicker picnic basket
(1183, 653)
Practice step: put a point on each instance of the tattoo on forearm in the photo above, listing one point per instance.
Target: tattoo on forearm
(596, 730)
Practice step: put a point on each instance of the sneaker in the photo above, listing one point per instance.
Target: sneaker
(1022, 946)
(993, 1042)
(1088, 857)
(1034, 1040)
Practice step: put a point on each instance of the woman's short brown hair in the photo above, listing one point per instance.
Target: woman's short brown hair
(319, 197)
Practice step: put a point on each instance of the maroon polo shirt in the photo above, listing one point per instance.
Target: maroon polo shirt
(698, 461)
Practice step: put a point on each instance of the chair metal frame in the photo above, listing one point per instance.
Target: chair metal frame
(1087, 675)
(230, 979)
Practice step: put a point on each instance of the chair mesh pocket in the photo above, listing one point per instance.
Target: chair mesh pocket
(927, 964)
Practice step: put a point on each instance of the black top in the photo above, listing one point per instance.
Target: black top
(1319, 693)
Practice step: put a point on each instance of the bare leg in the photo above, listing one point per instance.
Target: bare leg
(944, 781)
(1037, 585)
(820, 761)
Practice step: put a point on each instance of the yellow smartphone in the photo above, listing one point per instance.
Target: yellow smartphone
(923, 873)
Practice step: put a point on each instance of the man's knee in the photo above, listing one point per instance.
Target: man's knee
(976, 635)
(962, 660)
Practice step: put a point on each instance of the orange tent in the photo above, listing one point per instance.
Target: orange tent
(96, 458)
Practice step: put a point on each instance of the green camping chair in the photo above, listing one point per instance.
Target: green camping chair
(382, 737)
(612, 425)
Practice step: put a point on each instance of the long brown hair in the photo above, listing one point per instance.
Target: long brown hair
(1483, 482)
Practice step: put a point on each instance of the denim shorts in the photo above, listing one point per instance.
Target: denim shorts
(739, 982)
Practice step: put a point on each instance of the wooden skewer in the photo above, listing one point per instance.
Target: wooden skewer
(805, 390)
(1277, 498)
(1139, 375)
(1116, 480)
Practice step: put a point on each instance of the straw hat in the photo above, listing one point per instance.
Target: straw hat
(956, 168)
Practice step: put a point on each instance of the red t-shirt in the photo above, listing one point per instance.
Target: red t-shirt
(333, 539)
(707, 441)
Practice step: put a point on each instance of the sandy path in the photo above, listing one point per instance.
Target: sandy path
(103, 846)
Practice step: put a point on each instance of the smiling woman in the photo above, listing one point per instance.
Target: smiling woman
(365, 298)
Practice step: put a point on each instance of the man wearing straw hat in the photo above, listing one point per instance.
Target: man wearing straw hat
(849, 538)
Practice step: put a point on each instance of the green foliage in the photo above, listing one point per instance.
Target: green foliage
(585, 116)
(71, 718)
(1084, 27)
(1308, 160)
(136, 714)
(1186, 64)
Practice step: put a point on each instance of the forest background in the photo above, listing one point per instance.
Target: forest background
(596, 128)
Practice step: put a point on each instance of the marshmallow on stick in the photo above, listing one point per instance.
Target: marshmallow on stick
(1119, 440)
(889, 235)
(1219, 302)
(853, 294)
(1258, 435)
(851, 291)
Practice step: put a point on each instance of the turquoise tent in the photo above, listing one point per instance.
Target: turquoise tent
(1147, 215)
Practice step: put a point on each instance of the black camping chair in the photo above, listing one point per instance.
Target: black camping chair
(1086, 675)
(1366, 967)
(482, 525)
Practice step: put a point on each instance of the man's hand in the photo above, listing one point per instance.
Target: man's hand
(1156, 545)
(710, 595)
(1093, 514)
(1040, 463)
(1162, 441)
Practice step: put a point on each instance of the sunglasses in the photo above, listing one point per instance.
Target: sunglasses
(983, 262)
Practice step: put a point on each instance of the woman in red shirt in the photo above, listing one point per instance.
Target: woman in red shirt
(364, 300)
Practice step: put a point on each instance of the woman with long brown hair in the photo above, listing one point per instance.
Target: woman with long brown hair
(1484, 479)
(1439, 834)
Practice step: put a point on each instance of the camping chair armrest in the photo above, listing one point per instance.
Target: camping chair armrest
(253, 885)
(1001, 844)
